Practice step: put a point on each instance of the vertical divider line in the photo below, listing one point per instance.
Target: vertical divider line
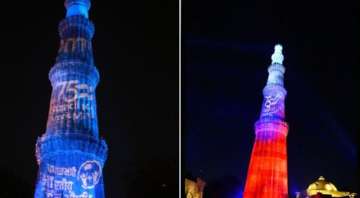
(180, 178)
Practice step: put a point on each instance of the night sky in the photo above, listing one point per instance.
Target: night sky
(227, 47)
(136, 52)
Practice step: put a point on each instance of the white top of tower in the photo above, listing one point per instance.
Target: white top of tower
(276, 69)
(277, 56)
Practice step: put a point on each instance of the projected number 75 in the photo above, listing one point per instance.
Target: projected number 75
(72, 90)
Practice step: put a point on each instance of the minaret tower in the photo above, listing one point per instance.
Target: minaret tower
(70, 154)
(267, 172)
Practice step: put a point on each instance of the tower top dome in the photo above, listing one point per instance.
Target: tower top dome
(77, 7)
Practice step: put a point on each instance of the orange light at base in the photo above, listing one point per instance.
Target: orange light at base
(267, 172)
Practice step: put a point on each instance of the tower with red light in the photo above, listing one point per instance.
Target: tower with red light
(267, 171)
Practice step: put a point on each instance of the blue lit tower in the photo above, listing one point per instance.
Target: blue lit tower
(267, 173)
(70, 154)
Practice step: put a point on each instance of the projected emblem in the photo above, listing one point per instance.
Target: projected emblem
(72, 90)
(89, 174)
(270, 103)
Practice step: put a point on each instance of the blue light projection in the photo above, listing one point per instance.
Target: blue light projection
(70, 154)
(77, 8)
(239, 193)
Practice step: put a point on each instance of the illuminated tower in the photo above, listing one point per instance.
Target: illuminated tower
(70, 154)
(267, 172)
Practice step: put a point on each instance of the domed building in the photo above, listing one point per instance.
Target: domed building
(322, 188)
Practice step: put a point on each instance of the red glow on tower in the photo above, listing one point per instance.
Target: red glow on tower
(267, 172)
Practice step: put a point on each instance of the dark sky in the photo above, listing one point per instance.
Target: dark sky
(136, 52)
(227, 47)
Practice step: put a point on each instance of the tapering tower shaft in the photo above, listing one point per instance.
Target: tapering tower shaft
(70, 154)
(267, 171)
(74, 76)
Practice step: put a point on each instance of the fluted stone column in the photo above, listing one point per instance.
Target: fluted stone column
(70, 154)
(267, 172)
